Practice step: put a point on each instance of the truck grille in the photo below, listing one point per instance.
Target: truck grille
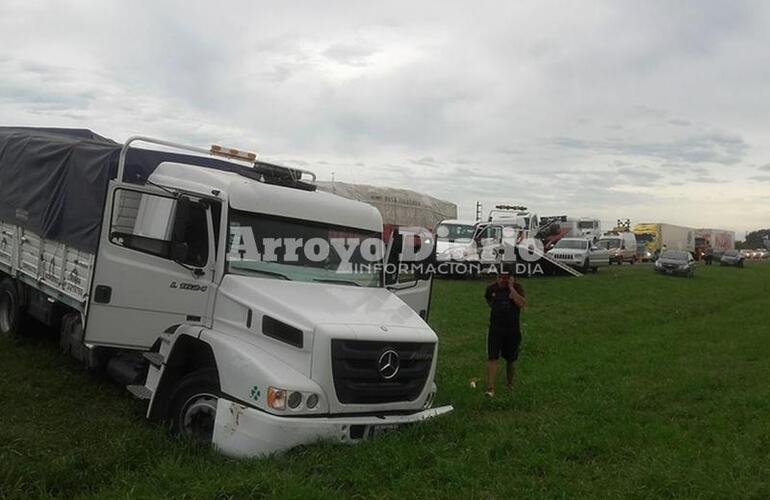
(357, 377)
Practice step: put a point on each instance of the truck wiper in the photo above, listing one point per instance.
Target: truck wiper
(263, 271)
(336, 281)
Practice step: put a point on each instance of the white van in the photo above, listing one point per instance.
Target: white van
(621, 246)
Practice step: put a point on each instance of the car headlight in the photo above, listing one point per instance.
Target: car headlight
(658, 263)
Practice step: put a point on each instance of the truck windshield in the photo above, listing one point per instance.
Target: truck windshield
(454, 232)
(571, 244)
(298, 250)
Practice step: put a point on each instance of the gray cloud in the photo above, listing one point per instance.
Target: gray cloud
(705, 148)
(351, 53)
(575, 110)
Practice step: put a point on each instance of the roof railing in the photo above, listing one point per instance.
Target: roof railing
(231, 155)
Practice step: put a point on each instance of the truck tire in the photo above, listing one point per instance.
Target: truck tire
(71, 337)
(72, 343)
(11, 314)
(193, 405)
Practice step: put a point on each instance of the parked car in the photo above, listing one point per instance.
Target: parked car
(732, 258)
(761, 253)
(676, 262)
(747, 254)
(580, 253)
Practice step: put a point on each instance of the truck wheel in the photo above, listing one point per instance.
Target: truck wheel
(193, 407)
(10, 310)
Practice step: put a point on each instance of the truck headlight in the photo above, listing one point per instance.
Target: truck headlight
(295, 399)
(276, 398)
(312, 401)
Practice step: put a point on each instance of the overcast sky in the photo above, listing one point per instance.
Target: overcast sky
(655, 111)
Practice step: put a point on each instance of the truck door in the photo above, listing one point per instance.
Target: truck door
(410, 279)
(154, 267)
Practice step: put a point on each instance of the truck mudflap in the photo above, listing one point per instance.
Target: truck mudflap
(243, 432)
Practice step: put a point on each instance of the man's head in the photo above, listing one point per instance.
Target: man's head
(503, 278)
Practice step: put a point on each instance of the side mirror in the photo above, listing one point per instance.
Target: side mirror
(393, 260)
(179, 251)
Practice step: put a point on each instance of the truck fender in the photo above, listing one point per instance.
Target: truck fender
(185, 353)
(247, 370)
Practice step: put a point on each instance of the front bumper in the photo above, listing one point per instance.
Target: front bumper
(672, 272)
(243, 432)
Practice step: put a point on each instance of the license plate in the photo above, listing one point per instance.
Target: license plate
(378, 430)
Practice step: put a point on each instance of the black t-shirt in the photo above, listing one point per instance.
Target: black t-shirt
(503, 310)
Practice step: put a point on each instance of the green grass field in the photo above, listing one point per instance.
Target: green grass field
(630, 385)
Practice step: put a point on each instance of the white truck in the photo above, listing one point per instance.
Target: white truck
(622, 246)
(718, 240)
(658, 237)
(455, 245)
(142, 259)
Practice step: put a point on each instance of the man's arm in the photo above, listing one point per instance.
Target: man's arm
(488, 296)
(516, 297)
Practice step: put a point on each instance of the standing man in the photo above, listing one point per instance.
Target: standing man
(709, 254)
(505, 298)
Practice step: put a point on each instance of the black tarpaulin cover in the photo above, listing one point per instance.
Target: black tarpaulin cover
(54, 181)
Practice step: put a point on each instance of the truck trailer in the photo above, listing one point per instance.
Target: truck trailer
(152, 264)
(659, 236)
(719, 240)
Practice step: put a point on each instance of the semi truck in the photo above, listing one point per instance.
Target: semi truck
(152, 264)
(656, 236)
(719, 240)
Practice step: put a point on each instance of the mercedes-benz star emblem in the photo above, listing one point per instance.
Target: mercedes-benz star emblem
(388, 364)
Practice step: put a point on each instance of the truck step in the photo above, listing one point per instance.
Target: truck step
(155, 358)
(140, 392)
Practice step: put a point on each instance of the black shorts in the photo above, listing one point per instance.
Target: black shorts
(503, 341)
